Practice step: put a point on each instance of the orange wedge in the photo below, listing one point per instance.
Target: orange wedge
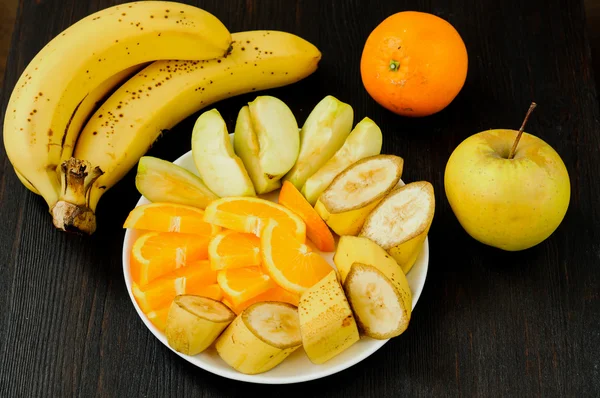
(316, 230)
(155, 254)
(230, 249)
(241, 284)
(274, 294)
(251, 215)
(170, 217)
(187, 280)
(289, 262)
(159, 317)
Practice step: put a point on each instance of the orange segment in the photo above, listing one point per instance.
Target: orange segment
(275, 294)
(159, 318)
(155, 254)
(241, 284)
(232, 249)
(290, 263)
(170, 217)
(316, 229)
(161, 291)
(213, 291)
(251, 215)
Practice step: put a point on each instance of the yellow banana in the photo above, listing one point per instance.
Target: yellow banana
(80, 116)
(45, 100)
(90, 103)
(261, 337)
(166, 92)
(26, 183)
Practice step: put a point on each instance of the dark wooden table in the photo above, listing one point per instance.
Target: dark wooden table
(489, 323)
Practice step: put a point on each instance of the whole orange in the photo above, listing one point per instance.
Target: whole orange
(414, 63)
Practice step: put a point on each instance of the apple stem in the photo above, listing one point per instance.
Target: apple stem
(520, 133)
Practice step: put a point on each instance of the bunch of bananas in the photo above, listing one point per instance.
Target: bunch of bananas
(97, 96)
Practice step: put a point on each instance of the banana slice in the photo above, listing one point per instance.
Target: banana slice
(358, 249)
(261, 337)
(347, 202)
(326, 321)
(401, 221)
(194, 322)
(381, 303)
(365, 140)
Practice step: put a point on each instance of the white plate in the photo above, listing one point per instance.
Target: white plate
(297, 367)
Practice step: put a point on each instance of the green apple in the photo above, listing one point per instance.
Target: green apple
(219, 167)
(323, 133)
(162, 181)
(508, 189)
(267, 140)
(364, 141)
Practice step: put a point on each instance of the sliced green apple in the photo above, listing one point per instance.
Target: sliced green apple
(364, 141)
(323, 133)
(162, 181)
(219, 167)
(267, 140)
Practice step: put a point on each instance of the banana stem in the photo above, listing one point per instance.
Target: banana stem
(72, 213)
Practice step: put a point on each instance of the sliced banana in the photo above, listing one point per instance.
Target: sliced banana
(347, 202)
(358, 249)
(365, 140)
(194, 322)
(326, 321)
(401, 221)
(261, 337)
(381, 304)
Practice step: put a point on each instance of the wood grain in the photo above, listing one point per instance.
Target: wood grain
(489, 323)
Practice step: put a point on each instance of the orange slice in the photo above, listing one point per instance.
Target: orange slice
(187, 280)
(274, 294)
(231, 249)
(290, 263)
(251, 215)
(213, 291)
(170, 217)
(159, 317)
(155, 254)
(241, 284)
(316, 229)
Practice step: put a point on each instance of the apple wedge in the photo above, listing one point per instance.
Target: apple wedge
(401, 221)
(220, 169)
(323, 133)
(162, 181)
(267, 140)
(355, 192)
(365, 140)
